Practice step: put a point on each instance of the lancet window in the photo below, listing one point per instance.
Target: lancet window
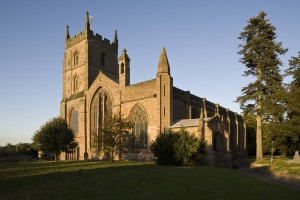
(76, 59)
(122, 68)
(102, 59)
(76, 83)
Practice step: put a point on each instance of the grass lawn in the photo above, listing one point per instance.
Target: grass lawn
(280, 166)
(131, 180)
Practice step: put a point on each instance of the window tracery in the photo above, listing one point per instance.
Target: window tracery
(101, 110)
(140, 127)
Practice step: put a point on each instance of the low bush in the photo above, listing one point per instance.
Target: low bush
(178, 148)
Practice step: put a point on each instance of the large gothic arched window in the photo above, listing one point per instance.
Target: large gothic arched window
(74, 120)
(139, 120)
(101, 109)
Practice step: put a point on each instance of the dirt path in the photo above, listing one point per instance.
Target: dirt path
(289, 182)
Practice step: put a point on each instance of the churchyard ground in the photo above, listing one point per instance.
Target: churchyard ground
(131, 180)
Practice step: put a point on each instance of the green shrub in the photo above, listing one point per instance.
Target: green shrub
(163, 149)
(178, 148)
(235, 166)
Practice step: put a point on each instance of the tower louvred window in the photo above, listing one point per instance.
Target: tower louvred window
(76, 83)
(122, 68)
(102, 60)
(76, 59)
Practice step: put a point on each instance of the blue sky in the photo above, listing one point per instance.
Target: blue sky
(200, 39)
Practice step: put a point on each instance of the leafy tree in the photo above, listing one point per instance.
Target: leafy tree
(116, 135)
(10, 148)
(262, 97)
(178, 148)
(54, 137)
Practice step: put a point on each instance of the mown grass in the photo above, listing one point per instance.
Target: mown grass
(280, 165)
(131, 180)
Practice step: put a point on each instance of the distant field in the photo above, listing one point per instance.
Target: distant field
(131, 180)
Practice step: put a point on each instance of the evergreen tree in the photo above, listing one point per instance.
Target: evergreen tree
(290, 141)
(179, 148)
(250, 121)
(260, 54)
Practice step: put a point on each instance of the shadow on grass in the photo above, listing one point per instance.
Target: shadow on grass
(133, 180)
(278, 172)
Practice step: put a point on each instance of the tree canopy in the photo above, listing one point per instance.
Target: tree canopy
(289, 142)
(260, 55)
(178, 148)
(116, 135)
(54, 137)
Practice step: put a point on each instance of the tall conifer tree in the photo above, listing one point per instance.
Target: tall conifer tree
(291, 139)
(260, 54)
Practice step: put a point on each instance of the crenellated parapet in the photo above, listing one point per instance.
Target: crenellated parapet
(88, 34)
(186, 96)
(95, 38)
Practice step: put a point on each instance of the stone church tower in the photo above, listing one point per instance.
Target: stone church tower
(96, 84)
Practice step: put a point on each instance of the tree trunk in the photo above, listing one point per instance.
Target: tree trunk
(120, 149)
(259, 149)
(112, 156)
(56, 157)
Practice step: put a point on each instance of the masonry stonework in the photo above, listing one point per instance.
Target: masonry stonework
(96, 83)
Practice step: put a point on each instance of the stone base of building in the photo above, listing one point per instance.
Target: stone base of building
(241, 154)
(221, 159)
(138, 155)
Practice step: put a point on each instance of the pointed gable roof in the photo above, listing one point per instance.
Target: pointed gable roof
(163, 65)
(124, 55)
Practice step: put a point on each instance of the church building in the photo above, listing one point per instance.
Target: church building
(96, 83)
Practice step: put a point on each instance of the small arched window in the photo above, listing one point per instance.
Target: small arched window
(74, 120)
(76, 83)
(122, 68)
(76, 59)
(102, 60)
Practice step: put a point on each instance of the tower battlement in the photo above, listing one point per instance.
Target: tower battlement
(89, 34)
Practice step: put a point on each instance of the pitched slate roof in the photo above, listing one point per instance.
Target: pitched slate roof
(186, 123)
